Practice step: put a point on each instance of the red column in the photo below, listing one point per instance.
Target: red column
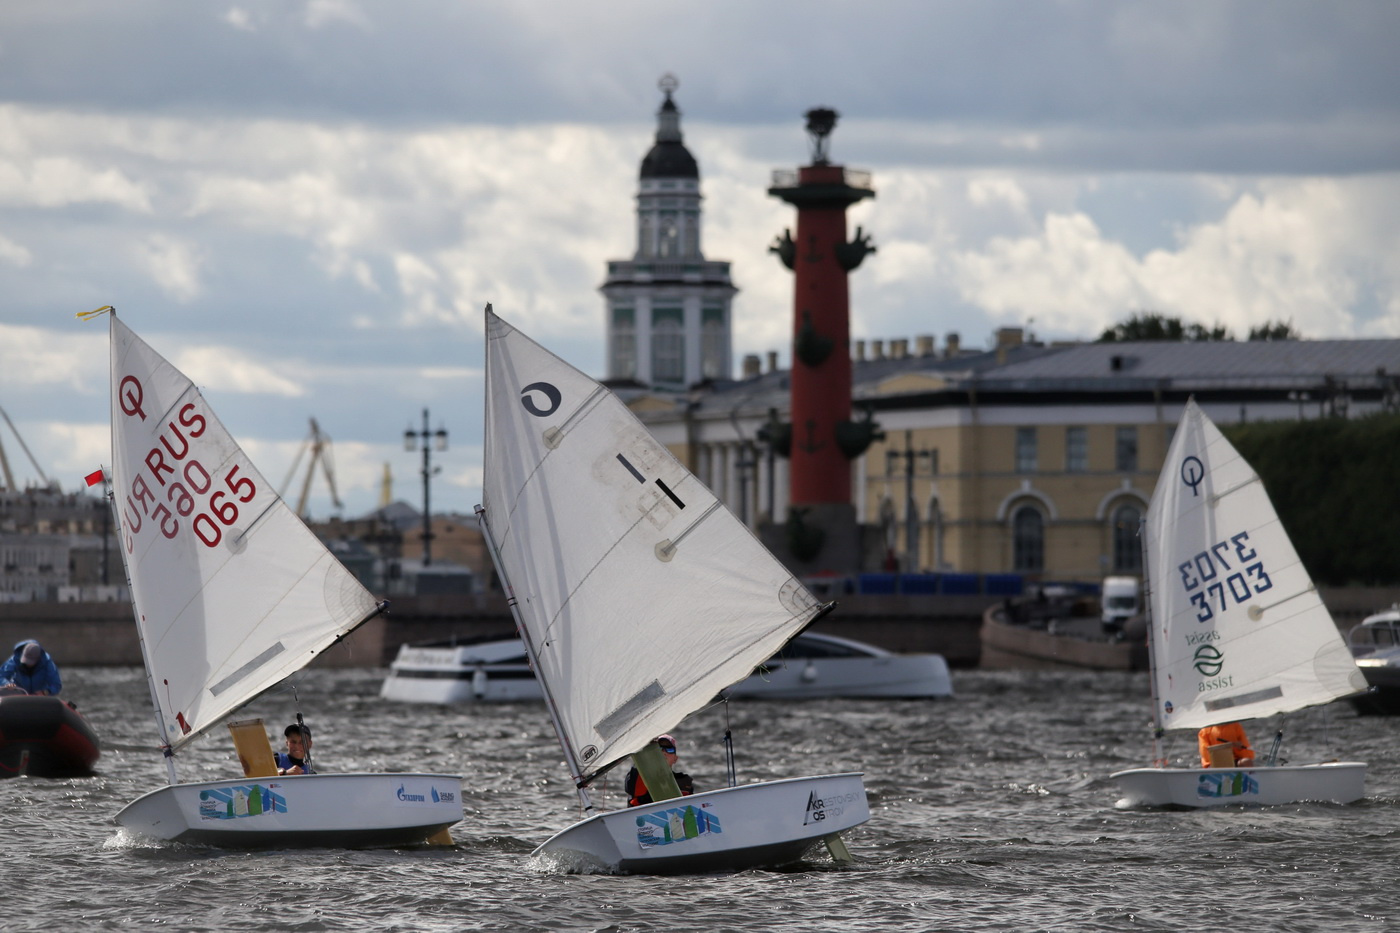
(821, 393)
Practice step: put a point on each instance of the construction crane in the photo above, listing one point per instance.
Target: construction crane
(5, 462)
(319, 444)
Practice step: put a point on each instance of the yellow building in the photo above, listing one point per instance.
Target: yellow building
(1026, 459)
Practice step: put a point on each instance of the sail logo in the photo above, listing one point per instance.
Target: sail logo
(445, 796)
(1209, 660)
(1193, 472)
(819, 808)
(552, 397)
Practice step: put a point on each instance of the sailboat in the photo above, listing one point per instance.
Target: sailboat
(1236, 629)
(639, 598)
(232, 594)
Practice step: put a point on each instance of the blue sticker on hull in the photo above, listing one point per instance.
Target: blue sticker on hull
(234, 803)
(667, 827)
(1227, 784)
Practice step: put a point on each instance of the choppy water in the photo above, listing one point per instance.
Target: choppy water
(991, 811)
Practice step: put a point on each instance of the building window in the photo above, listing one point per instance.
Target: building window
(1127, 549)
(714, 344)
(1027, 540)
(624, 344)
(667, 347)
(1025, 450)
(1125, 451)
(1076, 450)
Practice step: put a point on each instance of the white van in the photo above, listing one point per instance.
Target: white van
(1121, 600)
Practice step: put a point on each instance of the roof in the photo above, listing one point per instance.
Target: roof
(669, 158)
(1077, 368)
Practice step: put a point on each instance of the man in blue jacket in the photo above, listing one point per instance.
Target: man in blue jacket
(31, 669)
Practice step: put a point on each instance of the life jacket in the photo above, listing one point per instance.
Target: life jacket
(636, 788)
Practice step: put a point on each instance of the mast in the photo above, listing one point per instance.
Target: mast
(169, 753)
(574, 770)
(1157, 730)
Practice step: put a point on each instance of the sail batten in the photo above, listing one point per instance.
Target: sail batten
(580, 500)
(1221, 564)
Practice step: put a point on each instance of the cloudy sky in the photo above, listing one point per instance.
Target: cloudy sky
(305, 204)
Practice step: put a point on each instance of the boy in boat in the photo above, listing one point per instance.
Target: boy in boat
(297, 758)
(31, 669)
(636, 787)
(1225, 733)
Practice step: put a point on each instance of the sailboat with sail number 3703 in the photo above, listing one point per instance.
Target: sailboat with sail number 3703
(639, 597)
(1236, 629)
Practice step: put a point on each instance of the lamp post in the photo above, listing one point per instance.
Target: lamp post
(911, 511)
(429, 440)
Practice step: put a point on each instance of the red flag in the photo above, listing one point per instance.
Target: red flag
(94, 478)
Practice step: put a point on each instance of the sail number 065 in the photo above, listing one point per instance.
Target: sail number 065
(1213, 583)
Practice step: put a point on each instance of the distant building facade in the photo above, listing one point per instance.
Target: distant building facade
(1025, 459)
(668, 308)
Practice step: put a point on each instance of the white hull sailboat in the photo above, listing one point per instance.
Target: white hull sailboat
(1236, 630)
(354, 810)
(1266, 785)
(639, 598)
(232, 594)
(769, 823)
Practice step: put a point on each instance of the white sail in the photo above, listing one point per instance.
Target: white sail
(232, 592)
(641, 594)
(1238, 629)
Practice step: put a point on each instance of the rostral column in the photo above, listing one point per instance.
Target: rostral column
(822, 439)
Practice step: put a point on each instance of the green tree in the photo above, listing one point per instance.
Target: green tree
(1150, 325)
(1275, 330)
(1332, 481)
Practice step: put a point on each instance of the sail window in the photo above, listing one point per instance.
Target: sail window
(247, 669)
(1244, 699)
(613, 723)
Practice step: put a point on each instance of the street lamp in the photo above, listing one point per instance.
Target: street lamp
(911, 512)
(430, 440)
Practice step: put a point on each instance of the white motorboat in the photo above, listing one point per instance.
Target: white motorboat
(812, 665)
(232, 594)
(1236, 630)
(1375, 644)
(639, 597)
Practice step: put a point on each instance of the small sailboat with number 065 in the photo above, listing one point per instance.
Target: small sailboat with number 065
(232, 594)
(639, 597)
(1236, 630)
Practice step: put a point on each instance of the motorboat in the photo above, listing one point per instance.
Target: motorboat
(1375, 644)
(45, 736)
(812, 665)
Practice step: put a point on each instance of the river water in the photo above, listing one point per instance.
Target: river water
(990, 811)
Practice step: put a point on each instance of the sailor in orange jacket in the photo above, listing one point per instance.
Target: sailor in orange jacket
(1231, 733)
(636, 787)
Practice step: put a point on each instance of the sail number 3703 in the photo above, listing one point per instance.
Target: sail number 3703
(1227, 573)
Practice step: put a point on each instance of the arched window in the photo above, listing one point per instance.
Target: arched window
(1027, 540)
(1127, 549)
